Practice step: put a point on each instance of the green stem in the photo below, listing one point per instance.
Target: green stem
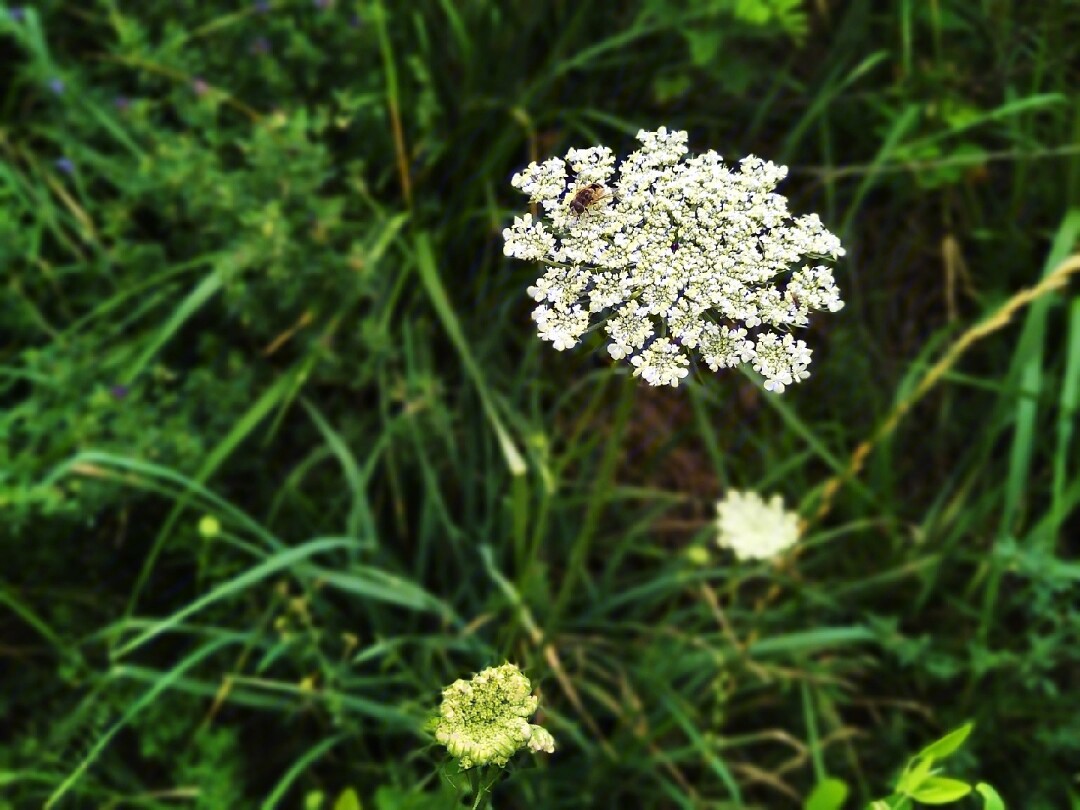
(481, 788)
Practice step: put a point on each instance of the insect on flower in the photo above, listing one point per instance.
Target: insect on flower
(587, 197)
(694, 257)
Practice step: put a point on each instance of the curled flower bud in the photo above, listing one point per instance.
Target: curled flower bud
(485, 720)
(541, 740)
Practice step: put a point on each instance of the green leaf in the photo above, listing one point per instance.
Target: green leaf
(991, 799)
(941, 790)
(828, 794)
(947, 744)
(704, 45)
(912, 779)
(669, 88)
(348, 800)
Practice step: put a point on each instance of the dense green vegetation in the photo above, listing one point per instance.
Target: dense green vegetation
(283, 456)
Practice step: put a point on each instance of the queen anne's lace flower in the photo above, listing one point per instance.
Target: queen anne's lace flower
(754, 529)
(679, 255)
(485, 720)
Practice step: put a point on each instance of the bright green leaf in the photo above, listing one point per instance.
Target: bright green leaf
(348, 800)
(947, 744)
(941, 790)
(827, 795)
(992, 801)
(912, 779)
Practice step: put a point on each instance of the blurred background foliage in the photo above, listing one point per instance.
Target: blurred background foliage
(282, 455)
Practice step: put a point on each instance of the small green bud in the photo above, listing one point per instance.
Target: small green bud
(209, 527)
(697, 555)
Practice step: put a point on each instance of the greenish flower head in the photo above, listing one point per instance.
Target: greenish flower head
(485, 720)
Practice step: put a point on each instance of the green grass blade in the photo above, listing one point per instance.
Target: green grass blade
(429, 276)
(240, 431)
(297, 769)
(163, 682)
(281, 561)
(192, 303)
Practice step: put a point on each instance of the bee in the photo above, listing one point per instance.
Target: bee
(586, 197)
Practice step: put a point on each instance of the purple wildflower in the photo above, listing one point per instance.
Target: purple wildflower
(17, 13)
(122, 103)
(261, 6)
(119, 391)
(56, 84)
(65, 165)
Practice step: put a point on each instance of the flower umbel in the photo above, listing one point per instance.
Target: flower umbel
(754, 529)
(485, 719)
(677, 254)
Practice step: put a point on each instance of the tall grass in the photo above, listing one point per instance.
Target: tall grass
(253, 272)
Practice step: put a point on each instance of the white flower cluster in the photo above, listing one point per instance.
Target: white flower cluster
(485, 719)
(678, 255)
(754, 529)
